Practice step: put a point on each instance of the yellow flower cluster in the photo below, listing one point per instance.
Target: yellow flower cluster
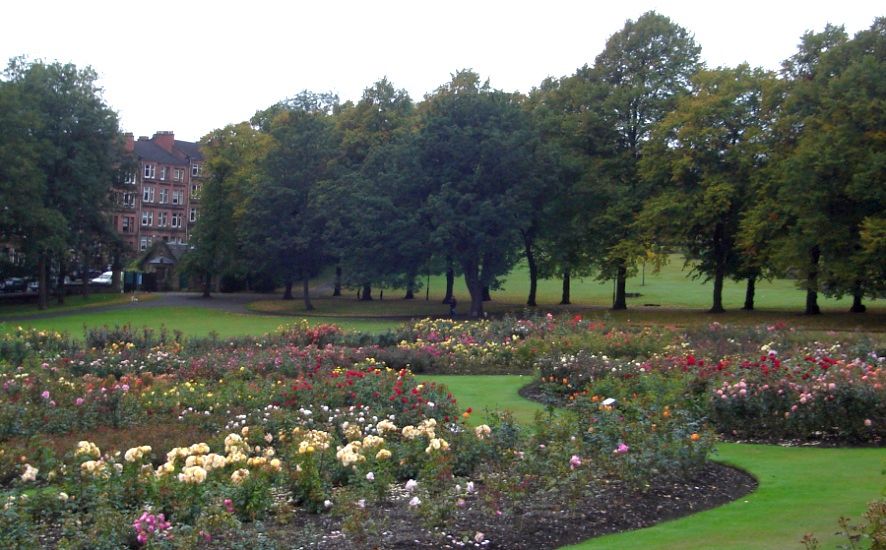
(426, 428)
(482, 431)
(137, 453)
(349, 455)
(386, 426)
(95, 468)
(87, 448)
(192, 474)
(437, 444)
(352, 431)
(239, 476)
(313, 440)
(208, 462)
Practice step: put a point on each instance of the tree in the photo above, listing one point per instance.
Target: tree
(702, 160)
(647, 67)
(475, 147)
(233, 155)
(826, 185)
(60, 148)
(292, 247)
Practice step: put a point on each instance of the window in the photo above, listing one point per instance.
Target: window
(195, 190)
(162, 173)
(143, 244)
(176, 219)
(148, 194)
(178, 175)
(164, 196)
(193, 215)
(147, 219)
(161, 219)
(150, 170)
(129, 178)
(178, 197)
(196, 169)
(129, 199)
(128, 224)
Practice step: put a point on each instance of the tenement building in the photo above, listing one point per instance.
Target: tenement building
(160, 199)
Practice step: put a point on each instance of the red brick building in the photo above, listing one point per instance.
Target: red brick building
(161, 200)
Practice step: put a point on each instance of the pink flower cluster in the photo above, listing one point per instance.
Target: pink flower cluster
(148, 524)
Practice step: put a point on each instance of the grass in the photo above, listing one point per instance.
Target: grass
(679, 301)
(802, 490)
(72, 303)
(192, 321)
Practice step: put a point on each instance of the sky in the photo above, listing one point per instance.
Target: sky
(191, 66)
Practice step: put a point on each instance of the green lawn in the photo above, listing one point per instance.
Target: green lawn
(72, 302)
(677, 300)
(192, 321)
(801, 489)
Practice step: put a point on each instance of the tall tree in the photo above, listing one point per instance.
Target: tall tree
(233, 155)
(647, 66)
(60, 147)
(475, 148)
(302, 145)
(702, 159)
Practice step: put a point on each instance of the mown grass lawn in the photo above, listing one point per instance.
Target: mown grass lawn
(802, 490)
(191, 321)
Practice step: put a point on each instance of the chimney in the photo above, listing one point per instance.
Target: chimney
(166, 140)
(129, 142)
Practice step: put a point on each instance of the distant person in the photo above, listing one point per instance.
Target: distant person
(452, 303)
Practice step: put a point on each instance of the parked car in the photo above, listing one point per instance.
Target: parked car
(15, 284)
(103, 279)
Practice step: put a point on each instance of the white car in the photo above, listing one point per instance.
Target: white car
(103, 279)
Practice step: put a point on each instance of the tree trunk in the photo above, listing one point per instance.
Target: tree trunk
(410, 287)
(533, 269)
(717, 307)
(487, 297)
(336, 290)
(857, 295)
(565, 299)
(60, 284)
(719, 270)
(475, 289)
(621, 277)
(287, 290)
(307, 296)
(450, 280)
(207, 285)
(812, 282)
(366, 296)
(84, 277)
(749, 293)
(42, 298)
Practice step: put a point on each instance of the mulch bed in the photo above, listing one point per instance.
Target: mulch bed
(545, 523)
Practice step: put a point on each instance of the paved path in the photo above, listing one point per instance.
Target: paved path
(233, 303)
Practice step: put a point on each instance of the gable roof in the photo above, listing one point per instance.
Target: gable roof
(189, 149)
(148, 150)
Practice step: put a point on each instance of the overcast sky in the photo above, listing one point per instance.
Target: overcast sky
(192, 66)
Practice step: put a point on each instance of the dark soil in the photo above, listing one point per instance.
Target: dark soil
(544, 523)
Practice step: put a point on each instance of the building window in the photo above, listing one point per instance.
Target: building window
(150, 171)
(128, 223)
(193, 215)
(143, 243)
(147, 219)
(148, 194)
(196, 169)
(161, 219)
(164, 196)
(176, 219)
(129, 178)
(195, 190)
(129, 199)
(178, 197)
(178, 175)
(162, 173)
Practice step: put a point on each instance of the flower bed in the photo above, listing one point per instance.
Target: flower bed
(190, 442)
